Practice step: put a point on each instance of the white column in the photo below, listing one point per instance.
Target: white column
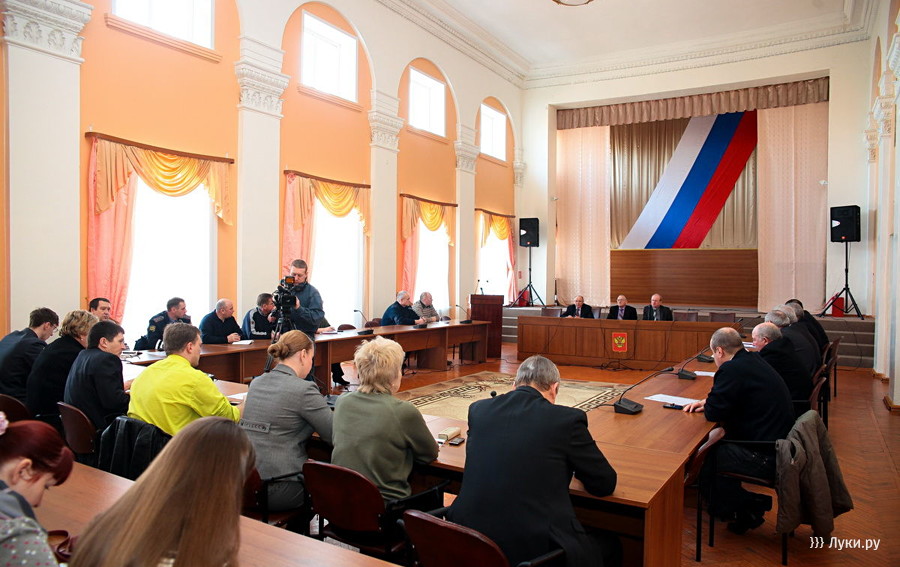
(43, 60)
(519, 170)
(465, 251)
(259, 150)
(382, 276)
(886, 322)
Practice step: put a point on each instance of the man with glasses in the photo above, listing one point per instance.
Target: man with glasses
(19, 349)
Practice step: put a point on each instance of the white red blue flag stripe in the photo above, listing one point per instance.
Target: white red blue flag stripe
(697, 181)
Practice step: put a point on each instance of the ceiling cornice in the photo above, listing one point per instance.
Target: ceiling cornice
(446, 23)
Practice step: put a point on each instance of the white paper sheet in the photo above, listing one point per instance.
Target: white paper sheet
(244, 342)
(238, 397)
(666, 399)
(704, 373)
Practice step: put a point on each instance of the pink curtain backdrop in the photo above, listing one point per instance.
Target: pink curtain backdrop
(793, 205)
(512, 291)
(109, 241)
(410, 260)
(297, 238)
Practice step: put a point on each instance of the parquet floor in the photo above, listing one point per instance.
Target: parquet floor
(867, 440)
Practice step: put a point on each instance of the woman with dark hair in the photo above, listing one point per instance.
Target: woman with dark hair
(33, 458)
(281, 413)
(47, 381)
(184, 511)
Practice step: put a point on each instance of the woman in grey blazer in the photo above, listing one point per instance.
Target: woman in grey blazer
(281, 413)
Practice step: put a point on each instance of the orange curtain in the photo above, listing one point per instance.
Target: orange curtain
(432, 215)
(410, 261)
(169, 174)
(502, 227)
(109, 240)
(339, 199)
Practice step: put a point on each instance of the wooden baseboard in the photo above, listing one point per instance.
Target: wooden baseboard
(880, 376)
(890, 405)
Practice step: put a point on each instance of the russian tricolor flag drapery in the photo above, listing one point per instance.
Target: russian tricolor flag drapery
(697, 181)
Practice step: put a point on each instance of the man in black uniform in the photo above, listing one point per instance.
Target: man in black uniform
(219, 326)
(176, 312)
(752, 403)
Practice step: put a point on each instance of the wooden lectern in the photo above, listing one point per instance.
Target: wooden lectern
(489, 308)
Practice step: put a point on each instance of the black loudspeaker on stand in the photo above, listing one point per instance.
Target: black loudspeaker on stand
(528, 238)
(845, 228)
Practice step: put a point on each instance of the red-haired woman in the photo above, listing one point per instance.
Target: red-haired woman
(33, 458)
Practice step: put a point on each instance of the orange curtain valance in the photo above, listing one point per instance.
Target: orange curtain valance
(431, 213)
(338, 198)
(170, 174)
(500, 225)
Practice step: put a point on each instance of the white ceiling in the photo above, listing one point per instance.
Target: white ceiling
(538, 40)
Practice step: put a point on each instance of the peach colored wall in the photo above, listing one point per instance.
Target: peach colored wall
(327, 137)
(495, 180)
(4, 198)
(426, 164)
(137, 89)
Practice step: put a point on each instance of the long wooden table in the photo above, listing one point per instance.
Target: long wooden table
(590, 342)
(235, 362)
(89, 491)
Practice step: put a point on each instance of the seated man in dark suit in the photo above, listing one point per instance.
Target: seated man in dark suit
(95, 381)
(578, 310)
(812, 325)
(219, 327)
(520, 455)
(656, 311)
(401, 312)
(778, 351)
(622, 310)
(19, 350)
(804, 345)
(176, 312)
(752, 403)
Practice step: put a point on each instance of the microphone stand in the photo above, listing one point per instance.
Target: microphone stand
(629, 407)
(464, 321)
(363, 331)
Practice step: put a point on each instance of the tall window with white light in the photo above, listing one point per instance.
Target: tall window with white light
(493, 132)
(173, 247)
(493, 267)
(328, 58)
(433, 270)
(427, 109)
(338, 276)
(190, 20)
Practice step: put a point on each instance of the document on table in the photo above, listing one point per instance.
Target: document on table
(666, 399)
(704, 373)
(238, 397)
(748, 345)
(244, 342)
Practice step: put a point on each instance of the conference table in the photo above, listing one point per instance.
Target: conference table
(236, 362)
(639, 345)
(88, 492)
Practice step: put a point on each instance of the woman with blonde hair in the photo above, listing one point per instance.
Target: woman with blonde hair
(47, 381)
(184, 511)
(376, 434)
(33, 458)
(281, 412)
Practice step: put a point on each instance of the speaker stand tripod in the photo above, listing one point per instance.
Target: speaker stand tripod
(849, 301)
(530, 288)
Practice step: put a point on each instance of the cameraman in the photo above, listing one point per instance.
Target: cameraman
(308, 311)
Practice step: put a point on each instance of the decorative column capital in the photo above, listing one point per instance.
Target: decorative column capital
(466, 156)
(384, 122)
(883, 112)
(519, 169)
(260, 78)
(893, 55)
(48, 26)
(872, 144)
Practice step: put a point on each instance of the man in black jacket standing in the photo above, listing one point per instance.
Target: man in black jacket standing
(520, 455)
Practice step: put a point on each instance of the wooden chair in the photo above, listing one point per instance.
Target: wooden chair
(830, 357)
(256, 504)
(445, 318)
(439, 543)
(355, 512)
(80, 434)
(685, 316)
(692, 478)
(376, 322)
(722, 316)
(345, 327)
(13, 408)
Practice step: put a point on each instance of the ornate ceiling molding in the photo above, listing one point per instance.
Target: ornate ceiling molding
(261, 88)
(47, 26)
(384, 122)
(439, 18)
(466, 156)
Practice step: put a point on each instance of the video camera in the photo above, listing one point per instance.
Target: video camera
(284, 297)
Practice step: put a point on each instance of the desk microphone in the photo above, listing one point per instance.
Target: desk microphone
(629, 407)
(365, 319)
(477, 284)
(363, 331)
(481, 288)
(464, 321)
(689, 375)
